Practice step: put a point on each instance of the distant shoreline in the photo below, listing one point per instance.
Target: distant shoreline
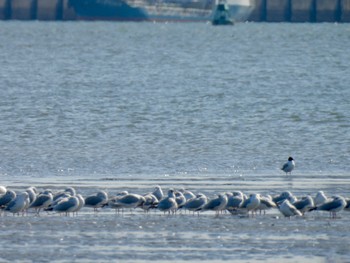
(263, 11)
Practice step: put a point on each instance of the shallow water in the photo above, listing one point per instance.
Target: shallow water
(127, 106)
(134, 236)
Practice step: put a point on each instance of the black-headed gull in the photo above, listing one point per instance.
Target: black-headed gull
(288, 166)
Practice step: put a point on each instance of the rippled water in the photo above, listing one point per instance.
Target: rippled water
(121, 106)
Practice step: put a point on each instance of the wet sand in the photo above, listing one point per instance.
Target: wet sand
(134, 236)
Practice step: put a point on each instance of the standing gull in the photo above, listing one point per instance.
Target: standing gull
(97, 200)
(283, 196)
(288, 210)
(168, 204)
(32, 195)
(288, 166)
(18, 204)
(158, 192)
(234, 201)
(217, 204)
(81, 203)
(333, 206)
(320, 198)
(305, 204)
(128, 201)
(67, 205)
(266, 203)
(188, 194)
(150, 202)
(42, 201)
(180, 199)
(7, 198)
(197, 203)
(251, 204)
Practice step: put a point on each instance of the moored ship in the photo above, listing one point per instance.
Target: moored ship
(157, 10)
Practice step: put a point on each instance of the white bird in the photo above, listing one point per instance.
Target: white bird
(32, 195)
(197, 203)
(71, 191)
(158, 192)
(67, 205)
(112, 201)
(2, 190)
(333, 206)
(81, 203)
(168, 204)
(288, 166)
(305, 204)
(97, 200)
(320, 198)
(18, 204)
(188, 194)
(266, 204)
(234, 201)
(251, 204)
(288, 210)
(7, 198)
(42, 201)
(283, 196)
(180, 199)
(150, 202)
(217, 204)
(129, 201)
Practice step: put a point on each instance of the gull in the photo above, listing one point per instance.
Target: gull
(347, 207)
(180, 199)
(7, 198)
(288, 210)
(305, 204)
(168, 204)
(129, 201)
(81, 203)
(150, 202)
(265, 204)
(112, 201)
(18, 204)
(320, 198)
(32, 195)
(251, 204)
(70, 190)
(197, 203)
(336, 205)
(158, 192)
(56, 199)
(288, 166)
(2, 190)
(67, 205)
(234, 201)
(42, 201)
(66, 193)
(283, 196)
(217, 204)
(188, 194)
(61, 195)
(97, 200)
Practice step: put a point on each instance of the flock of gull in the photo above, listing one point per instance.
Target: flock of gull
(68, 202)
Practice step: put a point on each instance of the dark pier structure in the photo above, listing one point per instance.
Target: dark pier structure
(301, 11)
(264, 10)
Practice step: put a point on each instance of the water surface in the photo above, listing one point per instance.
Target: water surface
(118, 106)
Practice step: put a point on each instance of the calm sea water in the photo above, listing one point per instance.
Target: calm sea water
(132, 105)
(115, 98)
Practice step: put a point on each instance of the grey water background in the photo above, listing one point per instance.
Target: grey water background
(119, 106)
